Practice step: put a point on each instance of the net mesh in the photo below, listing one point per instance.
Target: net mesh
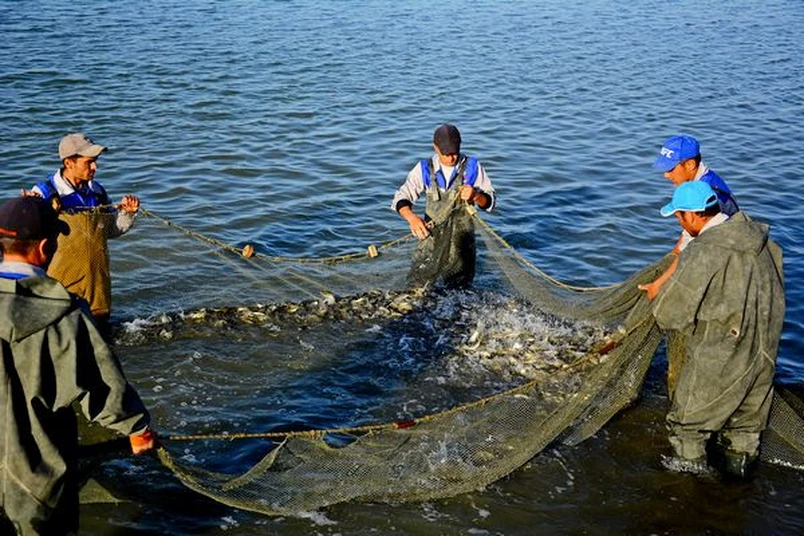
(405, 455)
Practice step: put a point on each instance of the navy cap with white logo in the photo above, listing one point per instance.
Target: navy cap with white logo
(30, 218)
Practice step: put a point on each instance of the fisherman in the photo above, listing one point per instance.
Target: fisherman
(727, 300)
(450, 179)
(52, 356)
(680, 160)
(82, 261)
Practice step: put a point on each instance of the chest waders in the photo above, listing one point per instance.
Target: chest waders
(81, 262)
(448, 255)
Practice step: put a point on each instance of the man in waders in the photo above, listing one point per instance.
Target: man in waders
(451, 180)
(726, 299)
(82, 261)
(52, 355)
(680, 160)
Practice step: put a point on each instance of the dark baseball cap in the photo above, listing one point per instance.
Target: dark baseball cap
(30, 218)
(447, 139)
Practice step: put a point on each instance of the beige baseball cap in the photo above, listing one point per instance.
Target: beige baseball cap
(78, 144)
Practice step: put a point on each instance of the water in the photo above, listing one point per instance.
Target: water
(290, 124)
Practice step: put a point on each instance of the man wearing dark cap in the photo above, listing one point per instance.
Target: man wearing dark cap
(82, 262)
(451, 180)
(52, 356)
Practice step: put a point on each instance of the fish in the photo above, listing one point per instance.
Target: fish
(471, 336)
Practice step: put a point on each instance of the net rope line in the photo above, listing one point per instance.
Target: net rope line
(276, 260)
(220, 247)
(440, 218)
(409, 423)
(273, 258)
(533, 267)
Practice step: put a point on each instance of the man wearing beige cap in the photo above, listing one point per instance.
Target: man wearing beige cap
(81, 262)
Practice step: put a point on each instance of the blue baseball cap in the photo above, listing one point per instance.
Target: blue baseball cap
(692, 196)
(676, 149)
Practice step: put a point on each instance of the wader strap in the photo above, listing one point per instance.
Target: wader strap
(432, 191)
(12, 275)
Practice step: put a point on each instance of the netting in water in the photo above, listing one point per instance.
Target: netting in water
(458, 387)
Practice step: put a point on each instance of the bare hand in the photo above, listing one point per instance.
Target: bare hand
(29, 193)
(467, 193)
(130, 203)
(652, 289)
(142, 442)
(419, 228)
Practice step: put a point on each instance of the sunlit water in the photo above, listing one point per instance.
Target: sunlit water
(289, 125)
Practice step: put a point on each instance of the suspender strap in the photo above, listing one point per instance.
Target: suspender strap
(12, 275)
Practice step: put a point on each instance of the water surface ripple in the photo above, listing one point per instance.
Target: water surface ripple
(290, 124)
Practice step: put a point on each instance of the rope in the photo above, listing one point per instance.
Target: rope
(274, 258)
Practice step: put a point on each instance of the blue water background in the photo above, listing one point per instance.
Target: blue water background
(290, 124)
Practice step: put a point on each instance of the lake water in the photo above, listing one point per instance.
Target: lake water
(289, 124)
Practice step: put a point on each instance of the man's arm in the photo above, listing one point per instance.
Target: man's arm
(124, 217)
(681, 296)
(90, 373)
(403, 201)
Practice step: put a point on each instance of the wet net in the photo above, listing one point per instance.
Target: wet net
(504, 391)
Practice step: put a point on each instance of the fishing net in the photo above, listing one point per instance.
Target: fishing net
(503, 391)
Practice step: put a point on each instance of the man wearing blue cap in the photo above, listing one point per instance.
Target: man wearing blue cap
(726, 299)
(680, 161)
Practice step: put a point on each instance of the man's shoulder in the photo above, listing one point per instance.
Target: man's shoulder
(715, 180)
(41, 286)
(32, 304)
(48, 187)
